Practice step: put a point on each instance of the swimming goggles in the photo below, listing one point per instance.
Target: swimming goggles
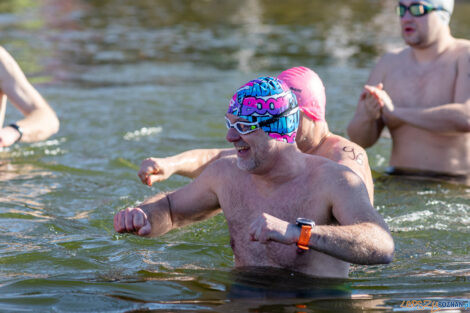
(248, 127)
(416, 9)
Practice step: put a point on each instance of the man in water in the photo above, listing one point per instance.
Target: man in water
(422, 95)
(266, 188)
(313, 137)
(40, 121)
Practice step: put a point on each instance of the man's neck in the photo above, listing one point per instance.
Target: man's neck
(314, 137)
(284, 167)
(434, 50)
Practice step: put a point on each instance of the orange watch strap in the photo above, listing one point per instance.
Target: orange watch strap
(305, 233)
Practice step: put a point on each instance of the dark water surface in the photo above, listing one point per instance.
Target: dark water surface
(132, 79)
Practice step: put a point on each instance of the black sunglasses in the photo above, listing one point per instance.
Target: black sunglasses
(416, 9)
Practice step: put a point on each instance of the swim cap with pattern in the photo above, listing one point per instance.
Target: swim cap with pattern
(309, 90)
(264, 98)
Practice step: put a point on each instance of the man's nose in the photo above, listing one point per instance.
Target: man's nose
(232, 135)
(407, 16)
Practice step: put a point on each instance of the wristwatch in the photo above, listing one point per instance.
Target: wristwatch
(306, 226)
(18, 129)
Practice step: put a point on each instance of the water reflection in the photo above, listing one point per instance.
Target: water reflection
(255, 289)
(18, 184)
(251, 35)
(277, 284)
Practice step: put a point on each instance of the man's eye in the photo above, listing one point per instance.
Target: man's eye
(247, 127)
(243, 127)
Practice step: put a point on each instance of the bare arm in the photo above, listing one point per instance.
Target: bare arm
(159, 214)
(447, 118)
(355, 157)
(366, 125)
(40, 121)
(361, 238)
(3, 106)
(189, 163)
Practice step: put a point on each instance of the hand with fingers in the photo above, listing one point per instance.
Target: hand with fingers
(386, 104)
(267, 228)
(371, 103)
(381, 96)
(154, 170)
(132, 220)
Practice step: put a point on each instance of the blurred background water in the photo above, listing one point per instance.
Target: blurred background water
(132, 79)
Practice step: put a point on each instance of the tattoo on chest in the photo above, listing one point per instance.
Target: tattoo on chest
(359, 158)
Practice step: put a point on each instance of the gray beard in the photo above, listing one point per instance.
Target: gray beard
(247, 166)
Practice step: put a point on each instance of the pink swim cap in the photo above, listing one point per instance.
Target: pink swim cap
(309, 90)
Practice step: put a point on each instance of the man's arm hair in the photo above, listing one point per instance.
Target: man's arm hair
(40, 120)
(362, 236)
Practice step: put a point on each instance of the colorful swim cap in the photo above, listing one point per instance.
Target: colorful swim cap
(309, 90)
(447, 5)
(267, 98)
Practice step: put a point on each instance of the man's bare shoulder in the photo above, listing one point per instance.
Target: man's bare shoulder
(388, 62)
(223, 166)
(462, 48)
(393, 57)
(340, 149)
(217, 173)
(462, 43)
(342, 144)
(321, 167)
(331, 178)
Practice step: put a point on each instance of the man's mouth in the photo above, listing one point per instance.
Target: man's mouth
(242, 150)
(408, 29)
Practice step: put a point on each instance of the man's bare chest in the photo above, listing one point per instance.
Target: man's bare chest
(422, 87)
(244, 203)
(242, 206)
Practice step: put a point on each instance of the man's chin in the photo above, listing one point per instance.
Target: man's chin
(412, 41)
(246, 165)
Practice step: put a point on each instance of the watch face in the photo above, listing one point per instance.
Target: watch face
(305, 221)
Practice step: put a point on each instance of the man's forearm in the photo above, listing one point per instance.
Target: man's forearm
(39, 125)
(364, 132)
(158, 210)
(365, 243)
(448, 118)
(191, 163)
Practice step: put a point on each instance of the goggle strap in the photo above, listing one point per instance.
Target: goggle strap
(276, 118)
